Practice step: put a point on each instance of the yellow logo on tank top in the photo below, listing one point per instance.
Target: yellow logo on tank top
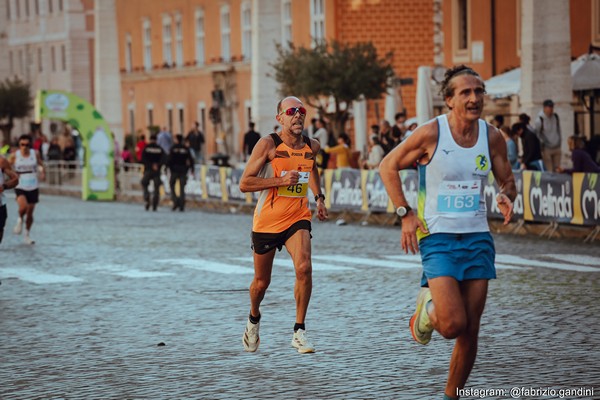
(482, 163)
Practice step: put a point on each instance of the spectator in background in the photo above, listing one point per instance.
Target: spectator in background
(547, 127)
(582, 161)
(126, 157)
(385, 136)
(139, 147)
(250, 139)
(375, 154)
(54, 152)
(322, 137)
(399, 128)
(342, 151)
(511, 147)
(532, 152)
(179, 162)
(165, 140)
(153, 158)
(195, 137)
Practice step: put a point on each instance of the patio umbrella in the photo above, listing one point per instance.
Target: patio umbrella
(424, 95)
(586, 72)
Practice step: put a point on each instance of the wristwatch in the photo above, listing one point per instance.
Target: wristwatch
(402, 211)
(319, 196)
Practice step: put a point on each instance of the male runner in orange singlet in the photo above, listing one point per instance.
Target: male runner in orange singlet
(282, 167)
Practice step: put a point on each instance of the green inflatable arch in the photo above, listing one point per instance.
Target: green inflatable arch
(98, 179)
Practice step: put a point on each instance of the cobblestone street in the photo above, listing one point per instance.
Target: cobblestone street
(83, 310)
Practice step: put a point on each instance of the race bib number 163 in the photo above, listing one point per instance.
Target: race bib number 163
(459, 196)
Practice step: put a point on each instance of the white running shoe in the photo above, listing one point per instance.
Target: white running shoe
(18, 227)
(301, 342)
(27, 239)
(250, 339)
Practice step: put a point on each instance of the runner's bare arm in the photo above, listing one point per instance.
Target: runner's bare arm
(418, 146)
(502, 173)
(263, 152)
(13, 178)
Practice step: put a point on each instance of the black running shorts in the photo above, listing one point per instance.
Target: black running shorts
(32, 196)
(262, 243)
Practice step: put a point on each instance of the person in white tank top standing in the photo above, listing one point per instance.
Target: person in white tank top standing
(8, 180)
(454, 152)
(26, 163)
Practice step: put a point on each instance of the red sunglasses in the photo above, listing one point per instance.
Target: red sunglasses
(293, 110)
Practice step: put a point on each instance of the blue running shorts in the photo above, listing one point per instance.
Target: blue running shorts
(462, 256)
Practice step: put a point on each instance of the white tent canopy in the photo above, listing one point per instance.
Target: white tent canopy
(585, 72)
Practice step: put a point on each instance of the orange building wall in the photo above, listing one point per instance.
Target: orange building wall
(581, 26)
(403, 27)
(187, 85)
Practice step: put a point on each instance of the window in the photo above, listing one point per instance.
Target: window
(11, 64)
(53, 58)
(40, 59)
(181, 115)
(37, 7)
(202, 116)
(60, 5)
(286, 23)
(18, 10)
(131, 117)
(21, 63)
(596, 22)
(225, 34)
(63, 57)
(150, 110)
(50, 9)
(8, 9)
(317, 20)
(460, 30)
(128, 52)
(199, 36)
(147, 45)
(178, 41)
(167, 40)
(170, 117)
(26, 8)
(246, 30)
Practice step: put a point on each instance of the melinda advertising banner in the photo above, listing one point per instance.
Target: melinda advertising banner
(541, 197)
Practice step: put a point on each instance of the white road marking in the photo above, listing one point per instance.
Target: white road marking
(577, 258)
(369, 262)
(208, 265)
(516, 260)
(287, 262)
(36, 276)
(136, 273)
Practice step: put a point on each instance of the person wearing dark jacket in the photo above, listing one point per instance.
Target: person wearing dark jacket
(532, 149)
(582, 161)
(153, 158)
(179, 162)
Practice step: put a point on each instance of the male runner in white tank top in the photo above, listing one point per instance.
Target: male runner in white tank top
(455, 153)
(26, 162)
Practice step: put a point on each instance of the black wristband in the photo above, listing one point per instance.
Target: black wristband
(319, 196)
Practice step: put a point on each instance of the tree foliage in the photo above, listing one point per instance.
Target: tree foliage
(15, 102)
(339, 71)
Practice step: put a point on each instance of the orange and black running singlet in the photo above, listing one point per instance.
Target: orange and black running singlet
(279, 208)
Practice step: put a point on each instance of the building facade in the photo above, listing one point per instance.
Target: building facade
(49, 44)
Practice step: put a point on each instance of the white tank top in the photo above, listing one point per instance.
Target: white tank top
(451, 196)
(26, 167)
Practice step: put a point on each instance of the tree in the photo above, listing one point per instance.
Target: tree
(15, 102)
(338, 71)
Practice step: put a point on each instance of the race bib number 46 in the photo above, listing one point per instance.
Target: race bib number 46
(459, 196)
(300, 189)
